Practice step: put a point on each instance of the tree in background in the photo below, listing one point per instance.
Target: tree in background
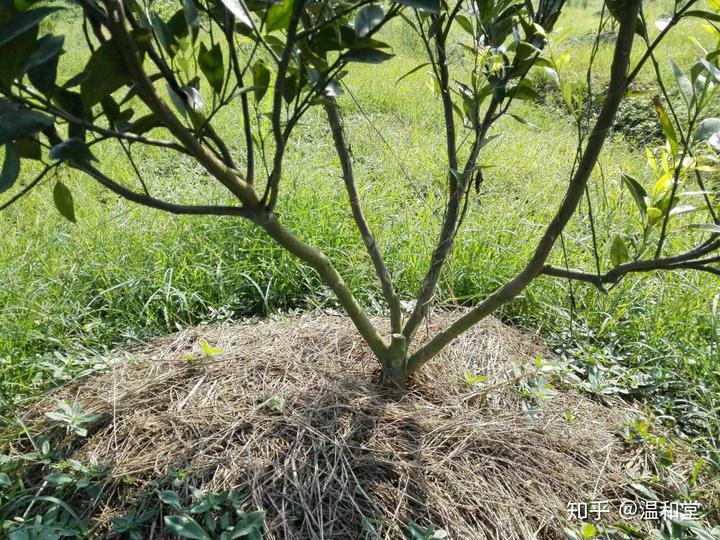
(158, 81)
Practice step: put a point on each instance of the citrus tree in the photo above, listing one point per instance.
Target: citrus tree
(159, 74)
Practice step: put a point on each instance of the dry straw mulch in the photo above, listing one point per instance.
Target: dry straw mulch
(346, 458)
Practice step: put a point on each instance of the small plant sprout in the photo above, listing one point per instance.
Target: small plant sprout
(275, 404)
(212, 516)
(208, 350)
(418, 532)
(473, 380)
(72, 417)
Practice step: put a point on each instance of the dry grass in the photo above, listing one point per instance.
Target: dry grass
(345, 458)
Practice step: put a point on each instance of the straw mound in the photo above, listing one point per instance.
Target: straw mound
(346, 457)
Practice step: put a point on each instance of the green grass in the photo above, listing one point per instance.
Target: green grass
(70, 292)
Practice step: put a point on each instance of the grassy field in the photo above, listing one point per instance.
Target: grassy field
(71, 292)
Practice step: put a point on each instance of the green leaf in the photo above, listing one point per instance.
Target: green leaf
(105, 73)
(22, 22)
(261, 79)
(413, 70)
(208, 350)
(524, 91)
(44, 76)
(171, 499)
(708, 227)
(465, 23)
(589, 530)
(683, 82)
(10, 169)
(48, 47)
(367, 19)
(179, 30)
(653, 215)
(186, 527)
(709, 130)
(211, 64)
(29, 148)
(162, 33)
(618, 251)
(192, 17)
(57, 479)
(332, 38)
(22, 123)
(64, 201)
(433, 6)
(637, 191)
(707, 15)
(72, 150)
(177, 101)
(368, 56)
(145, 124)
(667, 126)
(252, 521)
(234, 7)
(5, 480)
(522, 121)
(15, 54)
(644, 490)
(193, 99)
(279, 15)
(711, 69)
(570, 534)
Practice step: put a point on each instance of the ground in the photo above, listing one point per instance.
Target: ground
(490, 440)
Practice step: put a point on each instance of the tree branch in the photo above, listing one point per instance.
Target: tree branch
(322, 265)
(391, 298)
(227, 176)
(617, 88)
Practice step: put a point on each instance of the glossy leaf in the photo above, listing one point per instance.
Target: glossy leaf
(252, 521)
(22, 22)
(22, 123)
(707, 227)
(28, 148)
(193, 99)
(667, 126)
(261, 79)
(211, 64)
(192, 17)
(72, 150)
(171, 499)
(367, 19)
(637, 191)
(105, 73)
(433, 6)
(279, 15)
(683, 82)
(413, 70)
(185, 527)
(709, 130)
(368, 56)
(712, 69)
(162, 33)
(618, 251)
(10, 168)
(234, 7)
(48, 47)
(64, 201)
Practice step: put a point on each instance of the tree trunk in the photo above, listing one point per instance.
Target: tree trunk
(394, 363)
